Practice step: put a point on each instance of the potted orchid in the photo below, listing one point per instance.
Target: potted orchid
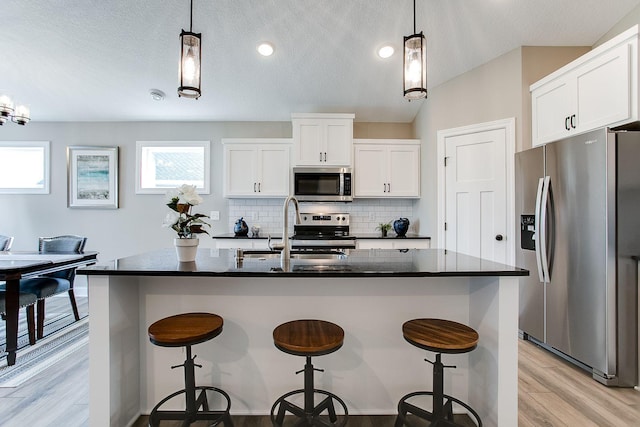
(186, 224)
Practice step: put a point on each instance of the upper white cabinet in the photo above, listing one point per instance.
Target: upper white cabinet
(598, 89)
(387, 168)
(256, 167)
(322, 139)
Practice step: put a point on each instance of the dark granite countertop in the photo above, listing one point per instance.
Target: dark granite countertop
(358, 263)
(357, 236)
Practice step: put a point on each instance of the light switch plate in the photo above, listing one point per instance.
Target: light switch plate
(215, 215)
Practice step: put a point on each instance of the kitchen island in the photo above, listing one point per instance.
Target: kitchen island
(369, 293)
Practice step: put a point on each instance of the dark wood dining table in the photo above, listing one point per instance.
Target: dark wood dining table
(20, 265)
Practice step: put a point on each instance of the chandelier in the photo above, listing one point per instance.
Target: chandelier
(19, 114)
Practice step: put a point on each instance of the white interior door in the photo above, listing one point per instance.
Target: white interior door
(477, 211)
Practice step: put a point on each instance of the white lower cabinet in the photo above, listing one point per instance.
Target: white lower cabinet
(256, 167)
(393, 243)
(258, 244)
(387, 168)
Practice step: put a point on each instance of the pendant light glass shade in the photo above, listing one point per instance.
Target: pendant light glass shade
(415, 67)
(190, 54)
(6, 109)
(22, 115)
(414, 63)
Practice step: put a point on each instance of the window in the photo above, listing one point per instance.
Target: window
(161, 165)
(24, 167)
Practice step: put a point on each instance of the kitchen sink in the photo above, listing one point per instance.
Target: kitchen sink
(315, 254)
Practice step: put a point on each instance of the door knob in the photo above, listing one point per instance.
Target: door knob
(499, 237)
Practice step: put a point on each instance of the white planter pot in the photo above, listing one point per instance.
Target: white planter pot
(186, 249)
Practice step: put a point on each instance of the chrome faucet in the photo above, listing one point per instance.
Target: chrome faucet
(285, 245)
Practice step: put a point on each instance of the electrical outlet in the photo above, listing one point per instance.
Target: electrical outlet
(372, 216)
(215, 215)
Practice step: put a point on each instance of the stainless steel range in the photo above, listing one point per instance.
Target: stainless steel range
(323, 231)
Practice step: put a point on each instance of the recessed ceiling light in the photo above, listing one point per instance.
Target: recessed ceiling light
(386, 51)
(265, 49)
(156, 94)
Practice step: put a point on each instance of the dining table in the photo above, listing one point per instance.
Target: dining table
(15, 266)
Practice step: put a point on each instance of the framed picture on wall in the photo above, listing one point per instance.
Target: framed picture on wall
(24, 167)
(92, 177)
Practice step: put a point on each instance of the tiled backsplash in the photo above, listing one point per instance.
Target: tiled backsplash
(366, 214)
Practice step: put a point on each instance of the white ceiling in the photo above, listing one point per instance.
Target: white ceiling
(96, 60)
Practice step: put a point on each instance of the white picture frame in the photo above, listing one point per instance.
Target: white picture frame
(25, 167)
(92, 177)
(163, 165)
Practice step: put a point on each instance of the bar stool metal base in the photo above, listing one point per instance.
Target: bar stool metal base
(442, 413)
(446, 418)
(215, 417)
(191, 413)
(310, 414)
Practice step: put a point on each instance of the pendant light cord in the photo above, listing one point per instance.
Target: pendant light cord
(414, 16)
(191, 16)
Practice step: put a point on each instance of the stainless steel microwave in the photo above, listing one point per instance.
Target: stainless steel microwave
(322, 184)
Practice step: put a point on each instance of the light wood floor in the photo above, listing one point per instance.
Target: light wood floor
(552, 392)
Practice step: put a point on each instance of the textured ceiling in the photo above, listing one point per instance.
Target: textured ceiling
(96, 60)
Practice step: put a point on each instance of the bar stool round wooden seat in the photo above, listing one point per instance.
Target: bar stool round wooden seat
(309, 338)
(438, 336)
(185, 330)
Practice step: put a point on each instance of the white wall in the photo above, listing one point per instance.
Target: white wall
(136, 226)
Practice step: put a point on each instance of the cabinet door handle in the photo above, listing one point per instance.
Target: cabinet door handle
(573, 121)
(259, 185)
(385, 187)
(254, 187)
(566, 123)
(325, 156)
(388, 187)
(321, 156)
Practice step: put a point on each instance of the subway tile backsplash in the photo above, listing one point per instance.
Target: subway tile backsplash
(366, 214)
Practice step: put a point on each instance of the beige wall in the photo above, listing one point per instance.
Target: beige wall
(496, 90)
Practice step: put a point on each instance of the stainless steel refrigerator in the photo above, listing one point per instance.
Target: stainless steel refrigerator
(578, 205)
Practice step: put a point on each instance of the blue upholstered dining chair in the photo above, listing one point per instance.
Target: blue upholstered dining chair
(5, 242)
(24, 299)
(54, 283)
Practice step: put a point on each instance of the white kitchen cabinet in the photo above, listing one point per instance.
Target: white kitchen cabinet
(256, 167)
(391, 243)
(322, 139)
(241, 243)
(387, 168)
(598, 89)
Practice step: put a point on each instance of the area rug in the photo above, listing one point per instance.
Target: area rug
(32, 360)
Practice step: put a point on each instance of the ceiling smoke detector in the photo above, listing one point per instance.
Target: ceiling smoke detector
(156, 94)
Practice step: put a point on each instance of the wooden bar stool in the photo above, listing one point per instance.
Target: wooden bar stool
(309, 338)
(185, 330)
(439, 336)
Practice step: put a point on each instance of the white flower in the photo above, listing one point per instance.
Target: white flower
(187, 194)
(171, 218)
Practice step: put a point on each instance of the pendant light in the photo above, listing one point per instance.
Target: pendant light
(415, 63)
(190, 56)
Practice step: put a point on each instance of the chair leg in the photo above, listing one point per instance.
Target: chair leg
(40, 325)
(31, 323)
(74, 306)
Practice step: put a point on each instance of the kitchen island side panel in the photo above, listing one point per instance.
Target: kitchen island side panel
(371, 372)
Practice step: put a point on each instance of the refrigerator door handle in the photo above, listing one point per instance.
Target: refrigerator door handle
(542, 234)
(538, 229)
